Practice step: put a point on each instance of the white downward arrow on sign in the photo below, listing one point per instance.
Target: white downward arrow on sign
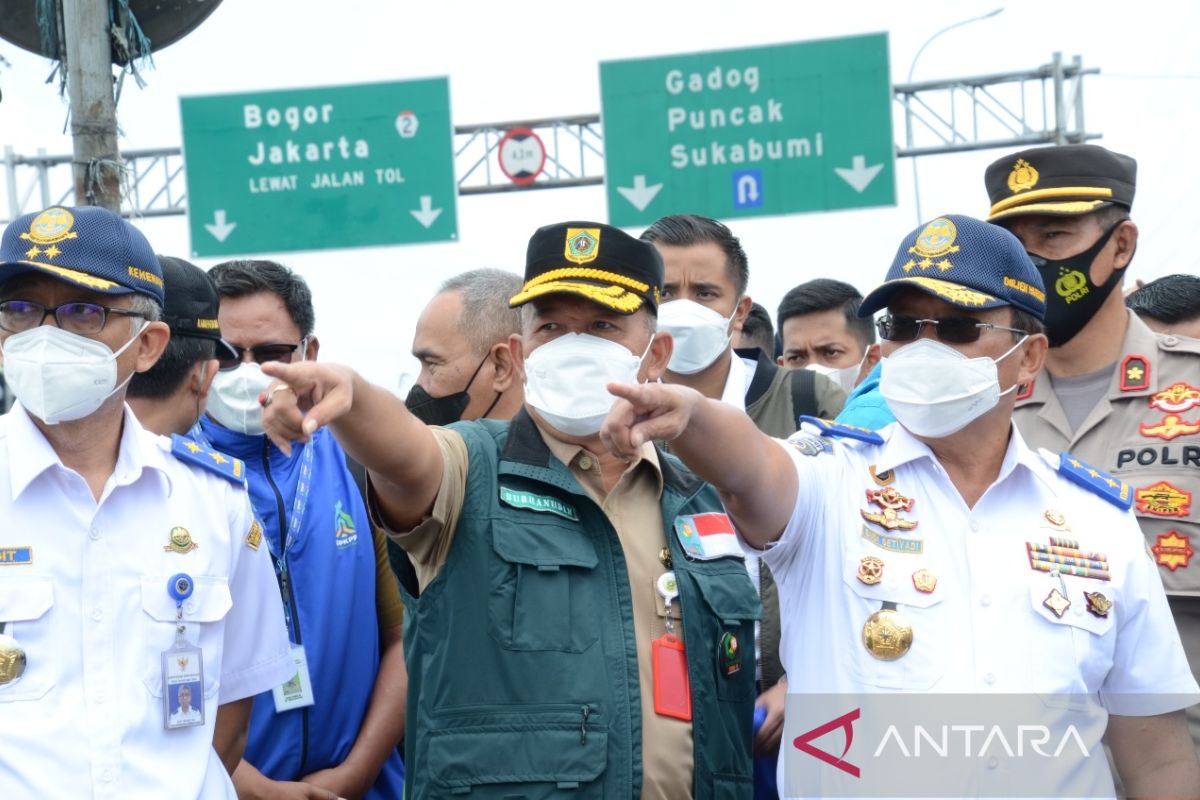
(859, 175)
(427, 215)
(219, 228)
(639, 194)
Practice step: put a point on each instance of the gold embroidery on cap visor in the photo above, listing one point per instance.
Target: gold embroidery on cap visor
(611, 290)
(950, 292)
(1027, 203)
(75, 276)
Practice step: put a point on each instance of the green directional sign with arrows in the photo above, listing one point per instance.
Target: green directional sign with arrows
(740, 133)
(327, 167)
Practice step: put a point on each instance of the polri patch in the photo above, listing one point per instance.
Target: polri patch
(12, 556)
(538, 502)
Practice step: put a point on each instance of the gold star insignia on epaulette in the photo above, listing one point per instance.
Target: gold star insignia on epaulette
(218, 458)
(1111, 482)
(1093, 473)
(1135, 373)
(1075, 463)
(193, 447)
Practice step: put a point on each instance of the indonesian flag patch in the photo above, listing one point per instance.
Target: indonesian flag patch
(708, 536)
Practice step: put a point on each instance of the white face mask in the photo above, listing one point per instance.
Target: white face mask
(935, 391)
(60, 376)
(844, 377)
(700, 334)
(233, 398)
(567, 379)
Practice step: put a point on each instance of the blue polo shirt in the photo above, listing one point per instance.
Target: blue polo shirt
(331, 587)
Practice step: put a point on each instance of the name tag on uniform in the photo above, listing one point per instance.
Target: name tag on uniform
(297, 691)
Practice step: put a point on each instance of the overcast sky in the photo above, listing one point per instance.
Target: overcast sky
(531, 59)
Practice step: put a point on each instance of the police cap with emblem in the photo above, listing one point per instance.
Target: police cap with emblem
(1067, 180)
(599, 262)
(87, 246)
(966, 262)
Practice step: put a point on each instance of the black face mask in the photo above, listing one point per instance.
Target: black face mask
(1071, 297)
(446, 409)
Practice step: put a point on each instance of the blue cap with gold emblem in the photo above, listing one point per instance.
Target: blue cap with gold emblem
(87, 246)
(966, 262)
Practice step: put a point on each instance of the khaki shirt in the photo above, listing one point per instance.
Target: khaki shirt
(633, 509)
(1146, 431)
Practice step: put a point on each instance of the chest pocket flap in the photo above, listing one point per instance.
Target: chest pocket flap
(730, 595)
(542, 595)
(25, 600)
(210, 600)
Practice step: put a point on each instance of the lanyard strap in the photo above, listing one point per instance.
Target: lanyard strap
(295, 520)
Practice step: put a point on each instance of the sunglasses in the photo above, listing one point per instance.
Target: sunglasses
(261, 354)
(955, 330)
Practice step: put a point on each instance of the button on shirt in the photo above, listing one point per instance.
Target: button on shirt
(987, 598)
(90, 608)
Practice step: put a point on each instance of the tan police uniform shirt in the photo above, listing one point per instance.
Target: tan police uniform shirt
(1146, 431)
(633, 509)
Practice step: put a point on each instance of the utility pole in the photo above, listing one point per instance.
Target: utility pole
(97, 162)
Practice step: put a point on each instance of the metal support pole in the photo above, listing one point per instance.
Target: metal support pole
(1060, 106)
(97, 166)
(10, 175)
(1077, 69)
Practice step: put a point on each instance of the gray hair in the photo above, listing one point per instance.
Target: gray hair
(147, 307)
(486, 318)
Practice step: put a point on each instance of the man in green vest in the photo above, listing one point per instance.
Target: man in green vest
(576, 622)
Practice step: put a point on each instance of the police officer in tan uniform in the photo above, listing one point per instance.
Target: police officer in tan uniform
(1113, 392)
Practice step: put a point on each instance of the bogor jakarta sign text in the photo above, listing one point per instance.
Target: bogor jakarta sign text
(304, 169)
(768, 130)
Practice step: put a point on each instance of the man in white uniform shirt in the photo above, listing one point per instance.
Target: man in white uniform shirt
(129, 563)
(941, 554)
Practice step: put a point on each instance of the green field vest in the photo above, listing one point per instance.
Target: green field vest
(523, 674)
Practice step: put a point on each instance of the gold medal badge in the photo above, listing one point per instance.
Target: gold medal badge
(180, 541)
(892, 503)
(887, 635)
(870, 570)
(12, 660)
(924, 581)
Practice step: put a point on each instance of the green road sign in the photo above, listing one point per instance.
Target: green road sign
(309, 169)
(740, 133)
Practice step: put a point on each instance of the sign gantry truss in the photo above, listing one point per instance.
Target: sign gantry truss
(1004, 110)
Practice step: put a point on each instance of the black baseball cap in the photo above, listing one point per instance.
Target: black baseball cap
(1066, 180)
(191, 304)
(599, 262)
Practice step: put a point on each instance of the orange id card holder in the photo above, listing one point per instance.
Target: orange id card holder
(672, 690)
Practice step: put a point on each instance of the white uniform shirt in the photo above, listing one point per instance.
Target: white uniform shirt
(90, 607)
(984, 628)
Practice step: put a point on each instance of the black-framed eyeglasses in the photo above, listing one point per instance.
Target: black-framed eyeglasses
(955, 330)
(86, 319)
(261, 353)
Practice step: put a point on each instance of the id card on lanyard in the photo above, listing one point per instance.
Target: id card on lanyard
(296, 692)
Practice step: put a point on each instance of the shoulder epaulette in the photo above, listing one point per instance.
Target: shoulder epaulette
(1096, 481)
(828, 427)
(192, 452)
